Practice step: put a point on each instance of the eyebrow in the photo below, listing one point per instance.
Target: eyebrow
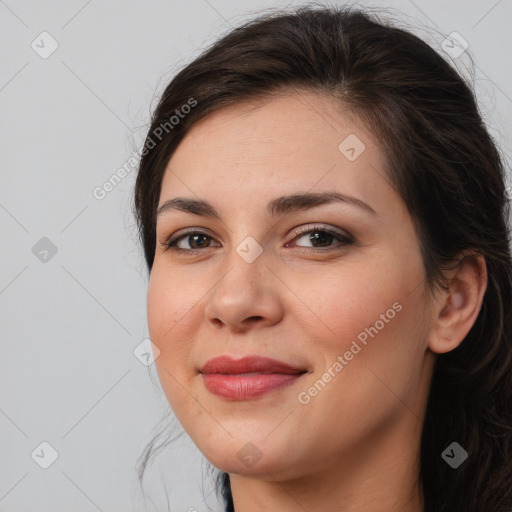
(279, 206)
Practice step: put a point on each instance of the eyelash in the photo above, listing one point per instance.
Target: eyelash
(170, 244)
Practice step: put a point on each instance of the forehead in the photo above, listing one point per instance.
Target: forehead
(267, 147)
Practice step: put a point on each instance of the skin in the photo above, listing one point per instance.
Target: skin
(355, 445)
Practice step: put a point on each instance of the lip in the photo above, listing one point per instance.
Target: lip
(249, 377)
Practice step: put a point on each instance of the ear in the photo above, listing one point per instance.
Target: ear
(457, 308)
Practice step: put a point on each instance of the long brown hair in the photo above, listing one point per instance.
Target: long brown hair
(445, 166)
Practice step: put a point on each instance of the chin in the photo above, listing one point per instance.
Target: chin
(246, 457)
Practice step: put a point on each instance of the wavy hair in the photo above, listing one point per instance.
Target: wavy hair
(441, 160)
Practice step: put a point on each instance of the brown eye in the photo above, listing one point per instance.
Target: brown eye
(322, 238)
(193, 241)
(196, 241)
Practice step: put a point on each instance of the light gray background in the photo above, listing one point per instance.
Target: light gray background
(68, 374)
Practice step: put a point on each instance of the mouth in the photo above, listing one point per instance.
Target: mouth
(247, 378)
(250, 364)
(247, 386)
(250, 374)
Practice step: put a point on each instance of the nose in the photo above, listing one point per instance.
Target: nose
(246, 297)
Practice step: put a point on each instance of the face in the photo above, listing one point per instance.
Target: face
(334, 289)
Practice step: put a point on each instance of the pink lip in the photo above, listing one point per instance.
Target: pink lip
(224, 376)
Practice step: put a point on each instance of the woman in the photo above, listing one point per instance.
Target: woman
(324, 220)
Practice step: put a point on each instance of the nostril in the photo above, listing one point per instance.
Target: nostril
(252, 319)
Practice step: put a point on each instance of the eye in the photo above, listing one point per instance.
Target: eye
(194, 238)
(320, 236)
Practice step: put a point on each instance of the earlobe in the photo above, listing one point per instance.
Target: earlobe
(459, 306)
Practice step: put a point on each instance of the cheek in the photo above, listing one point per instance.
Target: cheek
(371, 348)
(339, 306)
(172, 323)
(363, 324)
(170, 312)
(169, 301)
